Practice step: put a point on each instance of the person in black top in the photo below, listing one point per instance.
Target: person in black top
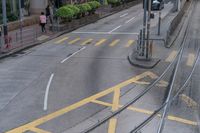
(48, 14)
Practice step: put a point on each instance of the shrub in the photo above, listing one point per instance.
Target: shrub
(65, 13)
(94, 4)
(87, 6)
(12, 17)
(75, 9)
(114, 2)
(82, 8)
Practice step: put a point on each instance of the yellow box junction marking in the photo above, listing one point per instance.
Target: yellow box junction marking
(86, 42)
(34, 124)
(129, 43)
(171, 56)
(114, 43)
(190, 60)
(74, 41)
(115, 106)
(172, 118)
(61, 40)
(100, 42)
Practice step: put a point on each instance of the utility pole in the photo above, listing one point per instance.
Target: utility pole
(144, 27)
(21, 16)
(5, 28)
(148, 31)
(159, 22)
(178, 6)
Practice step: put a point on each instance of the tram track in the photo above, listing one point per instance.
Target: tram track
(169, 96)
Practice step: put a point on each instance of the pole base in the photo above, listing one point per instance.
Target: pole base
(147, 64)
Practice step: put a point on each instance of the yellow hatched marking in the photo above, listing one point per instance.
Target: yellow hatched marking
(114, 43)
(190, 60)
(100, 42)
(37, 130)
(115, 106)
(130, 42)
(74, 106)
(170, 117)
(189, 101)
(86, 42)
(171, 57)
(61, 40)
(74, 41)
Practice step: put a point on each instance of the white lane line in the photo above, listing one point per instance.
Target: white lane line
(130, 20)
(124, 15)
(72, 55)
(106, 33)
(47, 92)
(114, 29)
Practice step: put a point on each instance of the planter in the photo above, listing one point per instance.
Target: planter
(28, 21)
(76, 23)
(126, 5)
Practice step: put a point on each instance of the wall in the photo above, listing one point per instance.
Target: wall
(37, 6)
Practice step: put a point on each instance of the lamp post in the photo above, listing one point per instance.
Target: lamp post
(5, 28)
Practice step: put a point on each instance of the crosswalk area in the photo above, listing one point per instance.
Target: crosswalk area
(190, 58)
(67, 40)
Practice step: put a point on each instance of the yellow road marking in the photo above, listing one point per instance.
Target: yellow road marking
(37, 130)
(190, 60)
(171, 57)
(86, 42)
(130, 42)
(85, 101)
(100, 42)
(172, 118)
(74, 41)
(189, 101)
(61, 40)
(114, 43)
(112, 125)
(115, 106)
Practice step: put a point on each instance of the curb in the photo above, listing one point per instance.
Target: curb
(142, 64)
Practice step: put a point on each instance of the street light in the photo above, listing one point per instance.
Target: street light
(5, 28)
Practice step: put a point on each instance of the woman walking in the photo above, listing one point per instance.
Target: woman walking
(43, 21)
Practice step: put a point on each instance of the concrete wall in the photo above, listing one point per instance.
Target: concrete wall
(37, 6)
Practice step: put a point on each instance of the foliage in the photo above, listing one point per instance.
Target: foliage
(94, 4)
(87, 6)
(82, 8)
(65, 13)
(114, 2)
(75, 9)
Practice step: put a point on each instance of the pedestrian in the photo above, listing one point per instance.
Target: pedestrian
(43, 21)
(48, 13)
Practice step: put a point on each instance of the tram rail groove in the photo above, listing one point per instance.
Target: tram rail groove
(169, 100)
(150, 87)
(145, 122)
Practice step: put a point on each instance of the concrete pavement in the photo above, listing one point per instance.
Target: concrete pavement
(90, 73)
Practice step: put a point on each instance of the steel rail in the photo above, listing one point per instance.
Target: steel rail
(155, 113)
(100, 122)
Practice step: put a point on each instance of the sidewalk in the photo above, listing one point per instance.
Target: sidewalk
(32, 35)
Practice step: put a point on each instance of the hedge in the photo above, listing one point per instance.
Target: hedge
(75, 9)
(65, 12)
(94, 4)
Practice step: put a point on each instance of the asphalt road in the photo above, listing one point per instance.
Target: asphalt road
(38, 85)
